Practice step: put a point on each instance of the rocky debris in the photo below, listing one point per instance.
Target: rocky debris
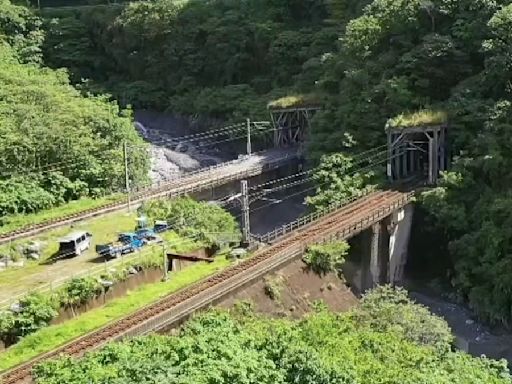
(170, 157)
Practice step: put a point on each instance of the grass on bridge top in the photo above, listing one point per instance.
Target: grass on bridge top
(50, 338)
(294, 101)
(424, 117)
(12, 223)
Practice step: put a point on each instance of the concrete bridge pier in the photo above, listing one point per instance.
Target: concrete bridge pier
(400, 232)
(384, 249)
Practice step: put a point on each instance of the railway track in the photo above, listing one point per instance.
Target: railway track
(343, 223)
(202, 180)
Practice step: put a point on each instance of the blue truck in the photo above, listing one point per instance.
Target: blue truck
(126, 243)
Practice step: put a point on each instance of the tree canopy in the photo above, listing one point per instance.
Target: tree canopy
(324, 348)
(56, 145)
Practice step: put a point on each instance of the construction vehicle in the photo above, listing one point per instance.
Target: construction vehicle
(126, 243)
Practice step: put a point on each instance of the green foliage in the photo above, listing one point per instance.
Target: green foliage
(207, 222)
(338, 178)
(7, 324)
(388, 309)
(323, 348)
(78, 291)
(326, 258)
(153, 54)
(21, 29)
(56, 145)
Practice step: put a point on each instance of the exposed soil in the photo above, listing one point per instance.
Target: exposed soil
(298, 290)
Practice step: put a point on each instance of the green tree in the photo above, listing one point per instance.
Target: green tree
(325, 348)
(205, 221)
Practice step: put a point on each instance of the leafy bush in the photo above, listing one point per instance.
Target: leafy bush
(326, 258)
(337, 179)
(7, 323)
(324, 348)
(273, 287)
(78, 291)
(37, 310)
(206, 222)
(387, 309)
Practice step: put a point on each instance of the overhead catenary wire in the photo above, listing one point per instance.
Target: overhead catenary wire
(66, 164)
(178, 140)
(228, 201)
(214, 133)
(370, 166)
(355, 158)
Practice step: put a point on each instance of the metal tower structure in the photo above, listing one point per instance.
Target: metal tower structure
(413, 150)
(291, 125)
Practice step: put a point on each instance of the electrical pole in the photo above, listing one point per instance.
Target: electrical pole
(165, 277)
(246, 226)
(249, 149)
(126, 175)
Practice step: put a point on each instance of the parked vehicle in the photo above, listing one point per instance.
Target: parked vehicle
(148, 235)
(159, 227)
(127, 243)
(74, 244)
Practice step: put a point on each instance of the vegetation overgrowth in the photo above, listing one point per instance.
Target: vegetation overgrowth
(326, 258)
(56, 144)
(424, 117)
(201, 220)
(373, 344)
(50, 337)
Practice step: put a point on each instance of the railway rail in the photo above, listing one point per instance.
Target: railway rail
(208, 178)
(343, 223)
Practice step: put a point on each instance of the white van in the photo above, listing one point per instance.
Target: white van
(74, 244)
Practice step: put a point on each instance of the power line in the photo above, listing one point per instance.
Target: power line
(321, 184)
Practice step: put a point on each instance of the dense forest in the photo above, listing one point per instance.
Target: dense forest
(387, 340)
(56, 144)
(366, 61)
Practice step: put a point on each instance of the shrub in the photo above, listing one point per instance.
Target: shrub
(78, 291)
(326, 258)
(37, 311)
(273, 287)
(388, 309)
